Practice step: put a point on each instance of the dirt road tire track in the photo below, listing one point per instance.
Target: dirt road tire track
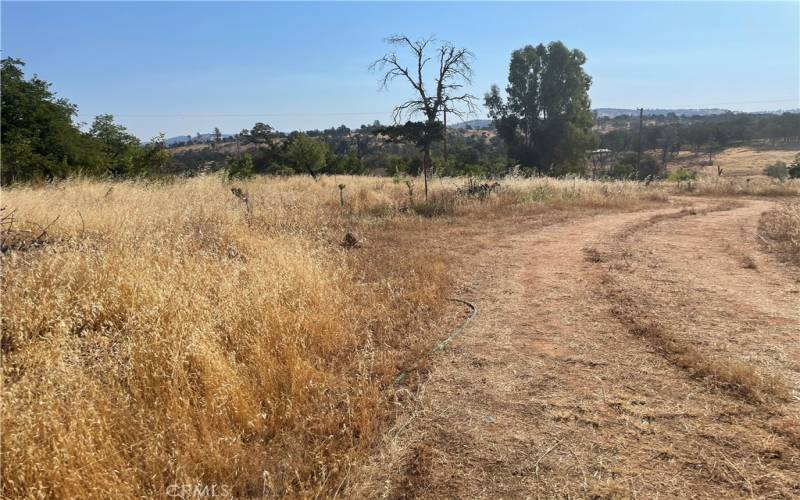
(547, 394)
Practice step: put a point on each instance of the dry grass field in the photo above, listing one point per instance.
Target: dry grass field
(735, 162)
(201, 332)
(158, 334)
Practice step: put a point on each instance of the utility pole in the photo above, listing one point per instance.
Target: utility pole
(639, 149)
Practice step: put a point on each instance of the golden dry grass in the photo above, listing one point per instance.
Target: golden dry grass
(743, 172)
(737, 161)
(165, 333)
(780, 231)
(730, 374)
(738, 186)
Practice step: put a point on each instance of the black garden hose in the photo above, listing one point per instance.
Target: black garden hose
(441, 345)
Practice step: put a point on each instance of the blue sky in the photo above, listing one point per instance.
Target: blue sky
(186, 67)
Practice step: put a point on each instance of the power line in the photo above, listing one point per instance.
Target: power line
(384, 112)
(224, 115)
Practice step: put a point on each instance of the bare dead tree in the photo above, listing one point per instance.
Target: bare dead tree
(454, 71)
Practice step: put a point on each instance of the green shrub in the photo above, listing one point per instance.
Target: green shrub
(794, 169)
(683, 174)
(240, 168)
(285, 170)
(777, 170)
(626, 167)
(437, 205)
(541, 193)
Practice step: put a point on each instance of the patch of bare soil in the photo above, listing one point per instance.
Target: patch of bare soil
(558, 389)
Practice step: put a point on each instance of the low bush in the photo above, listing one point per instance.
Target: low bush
(682, 174)
(777, 170)
(240, 168)
(794, 169)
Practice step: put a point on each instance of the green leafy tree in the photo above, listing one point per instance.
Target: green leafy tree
(39, 138)
(307, 154)
(152, 159)
(344, 164)
(217, 137)
(240, 168)
(789, 125)
(545, 119)
(261, 132)
(420, 134)
(697, 135)
(626, 167)
(122, 148)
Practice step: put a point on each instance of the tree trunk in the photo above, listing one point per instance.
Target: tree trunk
(426, 160)
(445, 136)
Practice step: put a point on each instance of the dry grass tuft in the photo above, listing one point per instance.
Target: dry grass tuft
(608, 489)
(780, 230)
(685, 212)
(729, 374)
(593, 255)
(198, 332)
(749, 262)
(789, 427)
(736, 186)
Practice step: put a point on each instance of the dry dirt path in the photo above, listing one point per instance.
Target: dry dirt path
(550, 393)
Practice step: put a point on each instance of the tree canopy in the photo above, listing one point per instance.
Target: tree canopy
(39, 138)
(121, 147)
(545, 119)
(307, 154)
(41, 141)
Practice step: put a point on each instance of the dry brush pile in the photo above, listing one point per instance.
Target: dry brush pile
(190, 333)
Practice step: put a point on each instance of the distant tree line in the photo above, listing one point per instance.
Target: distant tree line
(344, 151)
(698, 132)
(542, 118)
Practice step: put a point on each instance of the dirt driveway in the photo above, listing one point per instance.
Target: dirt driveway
(613, 356)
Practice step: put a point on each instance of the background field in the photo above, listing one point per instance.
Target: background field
(736, 162)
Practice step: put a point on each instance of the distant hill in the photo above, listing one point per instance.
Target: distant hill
(614, 112)
(611, 113)
(486, 124)
(474, 124)
(196, 139)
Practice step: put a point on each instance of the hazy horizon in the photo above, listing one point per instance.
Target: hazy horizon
(183, 68)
